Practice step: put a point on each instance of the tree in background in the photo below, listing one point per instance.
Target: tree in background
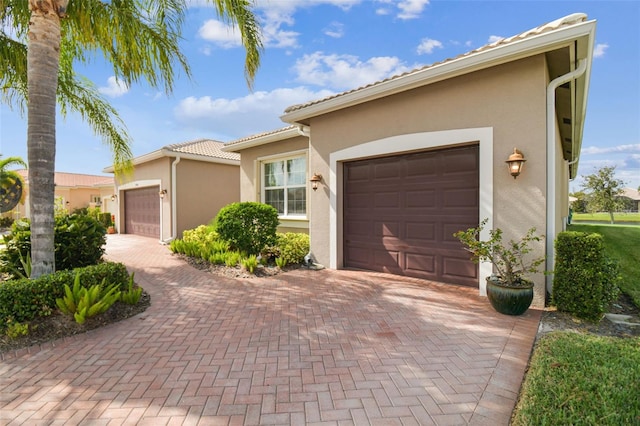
(579, 205)
(603, 191)
(40, 40)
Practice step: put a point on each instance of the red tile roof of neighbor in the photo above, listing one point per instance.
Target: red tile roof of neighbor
(74, 180)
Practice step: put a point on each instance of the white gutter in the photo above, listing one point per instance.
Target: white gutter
(174, 204)
(304, 130)
(551, 160)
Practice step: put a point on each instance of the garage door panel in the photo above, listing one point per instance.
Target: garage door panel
(460, 198)
(423, 232)
(387, 199)
(386, 229)
(142, 211)
(424, 198)
(386, 171)
(420, 263)
(416, 202)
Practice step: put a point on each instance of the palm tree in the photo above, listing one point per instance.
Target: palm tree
(138, 37)
(11, 183)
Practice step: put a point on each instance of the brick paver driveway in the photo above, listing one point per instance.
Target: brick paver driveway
(304, 347)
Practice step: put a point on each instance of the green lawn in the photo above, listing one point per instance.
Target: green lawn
(580, 379)
(604, 217)
(623, 244)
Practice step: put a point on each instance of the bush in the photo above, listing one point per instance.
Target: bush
(82, 302)
(585, 279)
(292, 247)
(78, 241)
(248, 227)
(23, 300)
(6, 222)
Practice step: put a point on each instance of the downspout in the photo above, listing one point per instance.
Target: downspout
(304, 130)
(309, 259)
(174, 201)
(551, 160)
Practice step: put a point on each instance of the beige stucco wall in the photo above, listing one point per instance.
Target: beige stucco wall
(510, 99)
(250, 179)
(202, 190)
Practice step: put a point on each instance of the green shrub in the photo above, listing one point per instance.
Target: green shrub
(131, 296)
(203, 234)
(281, 262)
(86, 302)
(16, 329)
(6, 222)
(78, 241)
(293, 247)
(248, 227)
(232, 258)
(218, 258)
(250, 263)
(24, 299)
(585, 279)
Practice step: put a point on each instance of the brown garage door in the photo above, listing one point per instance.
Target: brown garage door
(142, 211)
(400, 213)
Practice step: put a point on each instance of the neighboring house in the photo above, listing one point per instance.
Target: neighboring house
(403, 163)
(73, 191)
(634, 198)
(175, 188)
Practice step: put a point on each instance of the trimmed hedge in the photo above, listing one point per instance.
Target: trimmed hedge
(248, 226)
(292, 247)
(585, 279)
(25, 299)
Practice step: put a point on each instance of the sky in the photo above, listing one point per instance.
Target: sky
(314, 48)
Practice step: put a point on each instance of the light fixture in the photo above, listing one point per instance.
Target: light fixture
(114, 197)
(315, 179)
(515, 163)
(162, 193)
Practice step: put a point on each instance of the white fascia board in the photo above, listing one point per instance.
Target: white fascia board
(262, 140)
(196, 157)
(498, 55)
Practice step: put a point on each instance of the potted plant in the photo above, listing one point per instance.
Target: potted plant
(508, 289)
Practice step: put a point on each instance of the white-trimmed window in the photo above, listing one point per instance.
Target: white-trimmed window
(284, 185)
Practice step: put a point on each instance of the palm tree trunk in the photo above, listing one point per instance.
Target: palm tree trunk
(43, 57)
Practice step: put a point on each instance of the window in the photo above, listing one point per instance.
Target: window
(285, 186)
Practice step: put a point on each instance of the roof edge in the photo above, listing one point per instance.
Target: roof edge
(498, 55)
(250, 142)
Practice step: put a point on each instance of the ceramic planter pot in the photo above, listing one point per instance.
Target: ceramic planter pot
(509, 300)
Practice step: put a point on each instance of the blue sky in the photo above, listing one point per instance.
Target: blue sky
(317, 47)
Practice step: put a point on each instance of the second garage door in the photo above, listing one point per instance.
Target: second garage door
(142, 212)
(400, 214)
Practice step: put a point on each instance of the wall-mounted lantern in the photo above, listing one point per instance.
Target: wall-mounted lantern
(114, 197)
(515, 163)
(315, 180)
(162, 193)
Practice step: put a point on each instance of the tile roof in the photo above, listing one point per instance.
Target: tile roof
(203, 147)
(260, 135)
(566, 21)
(74, 179)
(634, 194)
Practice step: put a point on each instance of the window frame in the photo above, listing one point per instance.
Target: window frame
(263, 188)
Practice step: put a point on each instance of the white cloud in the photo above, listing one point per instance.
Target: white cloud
(619, 149)
(599, 50)
(114, 88)
(334, 29)
(495, 39)
(251, 114)
(220, 33)
(427, 46)
(411, 9)
(345, 71)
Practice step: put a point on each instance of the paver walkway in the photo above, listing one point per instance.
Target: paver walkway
(304, 347)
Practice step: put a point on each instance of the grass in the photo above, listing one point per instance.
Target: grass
(604, 217)
(581, 379)
(623, 244)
